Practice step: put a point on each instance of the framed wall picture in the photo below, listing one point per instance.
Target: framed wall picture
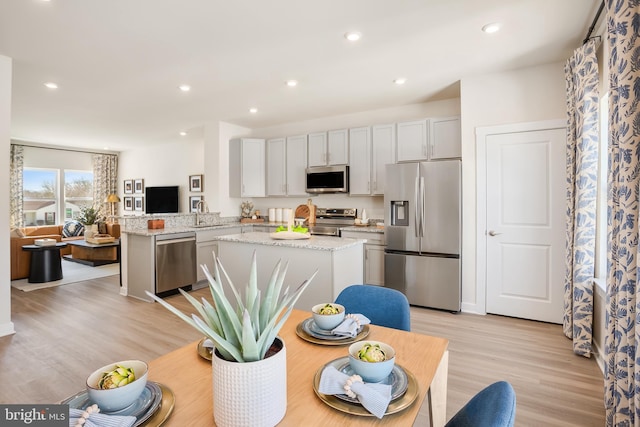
(195, 183)
(193, 203)
(138, 204)
(138, 186)
(128, 186)
(128, 203)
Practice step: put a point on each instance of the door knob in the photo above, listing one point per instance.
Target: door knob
(493, 233)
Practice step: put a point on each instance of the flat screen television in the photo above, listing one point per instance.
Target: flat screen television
(161, 200)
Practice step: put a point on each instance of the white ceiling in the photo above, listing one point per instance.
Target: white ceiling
(118, 63)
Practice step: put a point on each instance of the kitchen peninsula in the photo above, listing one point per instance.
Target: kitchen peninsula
(338, 261)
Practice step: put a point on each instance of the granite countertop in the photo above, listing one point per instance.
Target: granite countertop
(322, 243)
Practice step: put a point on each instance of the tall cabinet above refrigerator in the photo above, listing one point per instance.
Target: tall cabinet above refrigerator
(422, 203)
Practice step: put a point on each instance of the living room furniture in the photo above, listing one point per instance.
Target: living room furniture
(45, 263)
(20, 260)
(304, 360)
(94, 254)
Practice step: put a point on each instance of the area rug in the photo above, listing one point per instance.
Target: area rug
(72, 272)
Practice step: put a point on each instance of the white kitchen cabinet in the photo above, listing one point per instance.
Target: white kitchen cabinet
(206, 246)
(373, 267)
(413, 141)
(317, 149)
(383, 151)
(247, 167)
(286, 165)
(276, 167)
(444, 134)
(328, 148)
(296, 165)
(360, 165)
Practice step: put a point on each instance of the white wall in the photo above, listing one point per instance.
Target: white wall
(162, 165)
(6, 326)
(526, 95)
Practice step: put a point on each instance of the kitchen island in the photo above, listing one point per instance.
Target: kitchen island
(338, 261)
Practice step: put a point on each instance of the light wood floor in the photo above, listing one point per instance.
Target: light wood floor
(63, 333)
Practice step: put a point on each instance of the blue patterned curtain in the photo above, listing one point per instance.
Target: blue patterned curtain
(105, 179)
(581, 73)
(16, 218)
(622, 363)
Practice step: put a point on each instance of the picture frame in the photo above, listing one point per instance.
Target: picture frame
(128, 203)
(195, 183)
(128, 186)
(138, 204)
(193, 203)
(138, 186)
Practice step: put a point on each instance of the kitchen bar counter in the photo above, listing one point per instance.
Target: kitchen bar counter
(319, 243)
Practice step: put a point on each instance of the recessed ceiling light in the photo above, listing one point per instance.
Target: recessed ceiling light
(184, 88)
(491, 28)
(183, 133)
(400, 81)
(51, 85)
(292, 83)
(253, 110)
(353, 36)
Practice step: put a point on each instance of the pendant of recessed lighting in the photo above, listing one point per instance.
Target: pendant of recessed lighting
(292, 83)
(184, 88)
(352, 36)
(400, 81)
(491, 28)
(51, 85)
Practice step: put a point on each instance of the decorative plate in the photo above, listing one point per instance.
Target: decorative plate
(289, 235)
(143, 408)
(311, 328)
(364, 332)
(397, 379)
(204, 352)
(166, 408)
(401, 403)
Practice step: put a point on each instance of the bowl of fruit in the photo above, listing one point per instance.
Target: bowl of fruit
(372, 360)
(328, 315)
(117, 385)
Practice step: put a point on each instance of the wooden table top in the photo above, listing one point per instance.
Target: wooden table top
(189, 376)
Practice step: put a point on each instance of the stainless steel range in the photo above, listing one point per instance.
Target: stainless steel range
(329, 220)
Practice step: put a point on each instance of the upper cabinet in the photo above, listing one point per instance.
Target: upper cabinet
(383, 151)
(247, 167)
(286, 164)
(360, 165)
(430, 139)
(328, 148)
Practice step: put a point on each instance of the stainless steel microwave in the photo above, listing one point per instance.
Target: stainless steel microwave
(328, 179)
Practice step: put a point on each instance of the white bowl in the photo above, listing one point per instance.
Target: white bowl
(327, 321)
(372, 372)
(114, 399)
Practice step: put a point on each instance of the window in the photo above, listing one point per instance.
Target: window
(53, 196)
(601, 212)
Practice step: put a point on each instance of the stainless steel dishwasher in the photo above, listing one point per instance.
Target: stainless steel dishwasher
(175, 262)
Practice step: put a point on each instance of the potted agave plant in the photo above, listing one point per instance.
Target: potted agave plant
(90, 216)
(249, 361)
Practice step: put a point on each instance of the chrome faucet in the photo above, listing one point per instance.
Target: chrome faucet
(201, 207)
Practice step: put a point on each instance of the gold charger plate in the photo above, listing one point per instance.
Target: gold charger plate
(354, 409)
(203, 351)
(305, 336)
(165, 409)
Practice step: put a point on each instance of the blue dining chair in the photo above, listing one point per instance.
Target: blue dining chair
(493, 406)
(383, 306)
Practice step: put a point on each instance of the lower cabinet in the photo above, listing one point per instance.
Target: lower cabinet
(373, 268)
(206, 247)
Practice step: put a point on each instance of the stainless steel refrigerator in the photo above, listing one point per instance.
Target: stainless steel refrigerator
(422, 203)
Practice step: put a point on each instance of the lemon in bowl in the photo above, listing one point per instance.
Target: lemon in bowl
(328, 315)
(118, 385)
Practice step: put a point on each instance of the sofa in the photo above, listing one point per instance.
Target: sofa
(20, 260)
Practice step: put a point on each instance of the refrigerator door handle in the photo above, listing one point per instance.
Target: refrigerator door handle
(417, 212)
(422, 207)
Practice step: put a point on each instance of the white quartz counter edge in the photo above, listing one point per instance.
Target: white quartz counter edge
(173, 230)
(321, 243)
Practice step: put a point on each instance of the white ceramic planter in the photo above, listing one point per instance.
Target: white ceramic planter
(252, 394)
(90, 231)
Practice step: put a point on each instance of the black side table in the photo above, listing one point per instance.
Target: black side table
(45, 263)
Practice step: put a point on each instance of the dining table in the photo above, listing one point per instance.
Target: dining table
(424, 357)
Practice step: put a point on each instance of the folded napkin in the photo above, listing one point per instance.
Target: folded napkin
(350, 325)
(374, 397)
(92, 418)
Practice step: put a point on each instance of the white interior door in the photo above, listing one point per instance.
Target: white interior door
(525, 202)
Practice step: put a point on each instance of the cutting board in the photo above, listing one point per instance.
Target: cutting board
(302, 211)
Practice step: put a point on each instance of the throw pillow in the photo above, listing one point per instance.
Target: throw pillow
(16, 232)
(72, 228)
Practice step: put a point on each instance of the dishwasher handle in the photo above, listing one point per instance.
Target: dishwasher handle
(172, 241)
